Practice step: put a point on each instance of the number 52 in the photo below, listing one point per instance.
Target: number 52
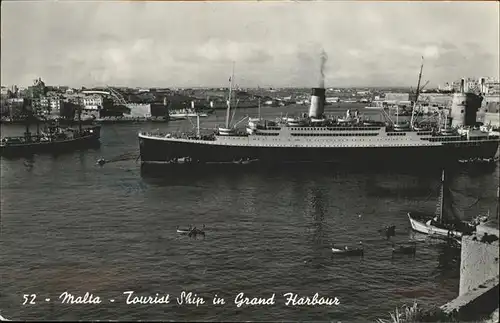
(27, 298)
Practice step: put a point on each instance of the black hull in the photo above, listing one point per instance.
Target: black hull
(162, 151)
(132, 121)
(55, 147)
(62, 122)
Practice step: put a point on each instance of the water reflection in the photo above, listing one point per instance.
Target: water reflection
(448, 267)
(423, 176)
(407, 187)
(29, 162)
(315, 209)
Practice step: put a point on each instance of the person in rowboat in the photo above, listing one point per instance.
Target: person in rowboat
(432, 221)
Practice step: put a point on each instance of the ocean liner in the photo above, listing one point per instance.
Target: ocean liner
(316, 138)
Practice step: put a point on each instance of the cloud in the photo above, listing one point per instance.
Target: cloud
(272, 43)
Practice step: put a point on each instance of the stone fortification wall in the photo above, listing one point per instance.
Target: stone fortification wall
(479, 261)
(478, 295)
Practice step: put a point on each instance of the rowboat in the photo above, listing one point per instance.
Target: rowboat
(192, 231)
(348, 252)
(183, 231)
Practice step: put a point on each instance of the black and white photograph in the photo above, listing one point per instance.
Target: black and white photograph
(250, 161)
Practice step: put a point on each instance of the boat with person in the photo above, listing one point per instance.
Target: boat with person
(191, 231)
(334, 140)
(346, 251)
(446, 221)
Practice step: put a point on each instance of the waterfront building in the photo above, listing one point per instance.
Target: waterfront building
(484, 85)
(55, 104)
(93, 102)
(396, 97)
(4, 92)
(38, 89)
(15, 107)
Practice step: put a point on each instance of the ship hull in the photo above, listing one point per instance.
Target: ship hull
(54, 147)
(157, 151)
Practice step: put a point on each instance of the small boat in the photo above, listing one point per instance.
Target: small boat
(180, 160)
(191, 231)
(431, 227)
(349, 252)
(401, 126)
(372, 123)
(3, 318)
(442, 224)
(183, 231)
(195, 232)
(405, 250)
(245, 161)
(101, 161)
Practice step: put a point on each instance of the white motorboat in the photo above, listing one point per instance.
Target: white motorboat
(428, 228)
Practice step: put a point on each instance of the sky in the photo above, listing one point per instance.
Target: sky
(276, 44)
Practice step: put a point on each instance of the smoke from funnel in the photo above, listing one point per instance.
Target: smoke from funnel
(324, 58)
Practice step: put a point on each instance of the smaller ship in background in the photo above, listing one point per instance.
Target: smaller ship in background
(183, 114)
(51, 139)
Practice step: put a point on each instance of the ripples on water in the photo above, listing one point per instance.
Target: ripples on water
(68, 224)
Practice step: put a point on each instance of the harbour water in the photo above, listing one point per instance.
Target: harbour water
(70, 225)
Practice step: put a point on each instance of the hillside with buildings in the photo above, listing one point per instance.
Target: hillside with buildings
(64, 102)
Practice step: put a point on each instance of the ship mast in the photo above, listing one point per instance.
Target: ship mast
(229, 100)
(28, 116)
(259, 108)
(439, 211)
(198, 125)
(80, 118)
(417, 94)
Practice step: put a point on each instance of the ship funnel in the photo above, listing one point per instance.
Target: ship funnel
(317, 103)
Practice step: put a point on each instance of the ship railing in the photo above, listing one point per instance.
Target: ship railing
(22, 139)
(176, 135)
